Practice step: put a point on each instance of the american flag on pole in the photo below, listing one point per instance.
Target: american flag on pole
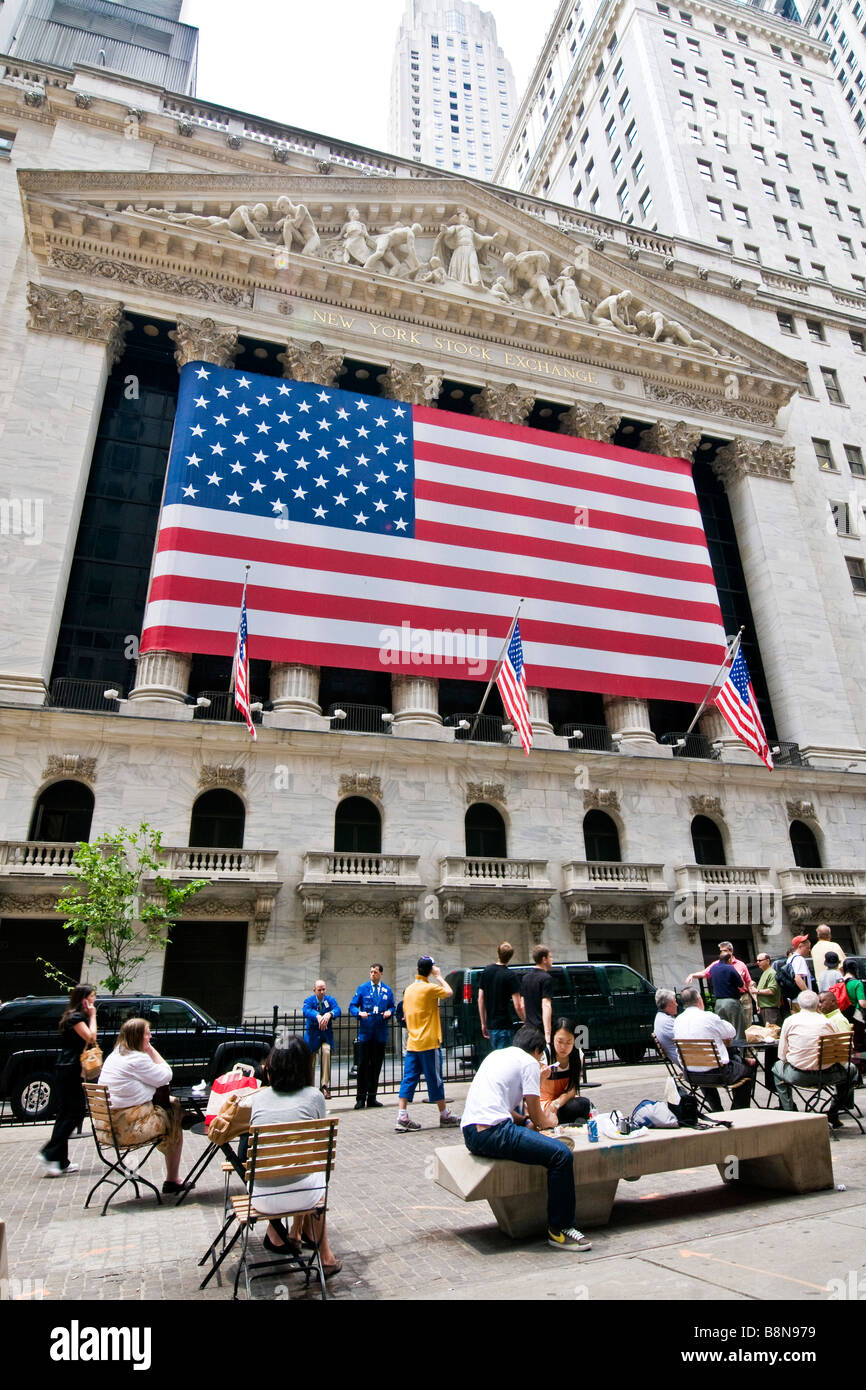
(241, 670)
(371, 523)
(736, 701)
(512, 687)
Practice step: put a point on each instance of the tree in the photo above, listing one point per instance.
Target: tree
(126, 904)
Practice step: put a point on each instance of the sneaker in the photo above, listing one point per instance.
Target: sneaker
(447, 1119)
(569, 1239)
(70, 1168)
(51, 1166)
(404, 1126)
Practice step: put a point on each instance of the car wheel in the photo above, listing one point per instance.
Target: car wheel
(630, 1053)
(33, 1097)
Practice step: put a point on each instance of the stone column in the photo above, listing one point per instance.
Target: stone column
(793, 609)
(203, 340)
(413, 384)
(628, 719)
(415, 701)
(717, 729)
(162, 677)
(672, 439)
(295, 688)
(538, 712)
(587, 421)
(56, 363)
(311, 362)
(508, 403)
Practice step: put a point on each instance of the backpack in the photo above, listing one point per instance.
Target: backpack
(840, 993)
(786, 979)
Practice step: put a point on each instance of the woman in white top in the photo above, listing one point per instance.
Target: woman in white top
(133, 1073)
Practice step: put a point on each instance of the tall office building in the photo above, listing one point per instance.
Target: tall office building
(143, 40)
(452, 88)
(843, 28)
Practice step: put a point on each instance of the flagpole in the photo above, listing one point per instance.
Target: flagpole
(730, 654)
(238, 632)
(496, 669)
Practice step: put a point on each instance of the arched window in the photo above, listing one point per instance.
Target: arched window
(217, 821)
(806, 852)
(357, 827)
(63, 813)
(601, 837)
(707, 840)
(485, 833)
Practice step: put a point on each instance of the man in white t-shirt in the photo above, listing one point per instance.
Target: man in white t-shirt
(697, 1024)
(495, 1126)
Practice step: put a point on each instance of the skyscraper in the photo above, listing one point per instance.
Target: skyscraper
(452, 88)
(844, 30)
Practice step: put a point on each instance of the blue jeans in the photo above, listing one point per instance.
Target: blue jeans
(429, 1064)
(501, 1037)
(508, 1140)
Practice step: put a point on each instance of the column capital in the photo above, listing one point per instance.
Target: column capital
(756, 458)
(673, 439)
(77, 315)
(507, 403)
(586, 421)
(411, 383)
(203, 340)
(311, 362)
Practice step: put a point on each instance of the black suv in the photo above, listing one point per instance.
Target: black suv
(194, 1044)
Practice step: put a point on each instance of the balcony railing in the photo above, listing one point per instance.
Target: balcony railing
(492, 873)
(69, 693)
(833, 881)
(692, 745)
(359, 719)
(788, 755)
(596, 873)
(222, 707)
(221, 863)
(481, 728)
(360, 868)
(36, 856)
(587, 738)
(721, 876)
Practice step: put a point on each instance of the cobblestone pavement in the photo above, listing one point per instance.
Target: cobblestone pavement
(674, 1236)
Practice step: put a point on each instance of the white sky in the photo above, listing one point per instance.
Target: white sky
(325, 65)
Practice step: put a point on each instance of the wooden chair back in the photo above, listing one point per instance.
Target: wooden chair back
(835, 1051)
(99, 1108)
(698, 1053)
(295, 1149)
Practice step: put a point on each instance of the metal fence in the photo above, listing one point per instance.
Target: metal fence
(68, 693)
(587, 738)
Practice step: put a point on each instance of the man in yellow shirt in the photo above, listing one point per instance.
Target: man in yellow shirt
(421, 1012)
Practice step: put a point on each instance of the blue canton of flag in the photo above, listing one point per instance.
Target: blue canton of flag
(293, 451)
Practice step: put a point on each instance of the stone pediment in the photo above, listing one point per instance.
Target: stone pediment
(438, 253)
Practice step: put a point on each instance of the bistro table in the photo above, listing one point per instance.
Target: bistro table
(771, 1053)
(194, 1101)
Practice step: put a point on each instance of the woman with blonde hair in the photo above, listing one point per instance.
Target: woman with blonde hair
(134, 1074)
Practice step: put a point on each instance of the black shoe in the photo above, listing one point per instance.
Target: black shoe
(359, 1105)
(291, 1249)
(173, 1189)
(374, 1104)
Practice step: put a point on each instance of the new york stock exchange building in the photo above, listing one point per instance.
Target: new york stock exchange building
(144, 236)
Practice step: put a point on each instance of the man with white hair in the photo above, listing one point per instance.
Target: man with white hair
(697, 1024)
(663, 1025)
(799, 1046)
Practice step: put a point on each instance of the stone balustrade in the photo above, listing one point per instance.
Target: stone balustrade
(36, 856)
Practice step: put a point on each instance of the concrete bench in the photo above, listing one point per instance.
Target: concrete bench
(774, 1149)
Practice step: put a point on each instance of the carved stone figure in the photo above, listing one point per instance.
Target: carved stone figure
(567, 295)
(433, 275)
(464, 243)
(652, 323)
(499, 289)
(615, 311)
(356, 244)
(297, 227)
(242, 222)
(395, 250)
(526, 275)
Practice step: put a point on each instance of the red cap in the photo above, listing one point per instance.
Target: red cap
(799, 941)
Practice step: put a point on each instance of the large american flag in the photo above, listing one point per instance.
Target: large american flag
(375, 527)
(512, 687)
(736, 701)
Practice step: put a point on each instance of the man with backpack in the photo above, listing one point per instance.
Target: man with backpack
(795, 976)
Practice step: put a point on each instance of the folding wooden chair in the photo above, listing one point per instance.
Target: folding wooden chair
(704, 1053)
(832, 1051)
(283, 1152)
(106, 1141)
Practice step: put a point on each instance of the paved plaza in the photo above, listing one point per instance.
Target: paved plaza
(676, 1236)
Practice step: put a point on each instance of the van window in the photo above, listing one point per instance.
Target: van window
(624, 981)
(171, 1013)
(584, 980)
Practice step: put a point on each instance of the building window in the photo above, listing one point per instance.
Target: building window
(857, 571)
(743, 39)
(770, 189)
(841, 514)
(758, 154)
(847, 246)
(687, 100)
(751, 65)
(761, 97)
(833, 208)
(645, 204)
(819, 115)
(858, 340)
(616, 161)
(783, 162)
(856, 215)
(753, 253)
(741, 215)
(739, 88)
(731, 176)
(807, 234)
(707, 841)
(804, 846)
(854, 455)
(63, 813)
(715, 208)
(601, 838)
(610, 130)
(726, 244)
(808, 140)
(728, 58)
(705, 169)
(831, 385)
(787, 79)
(679, 68)
(824, 455)
(7, 140)
(786, 323)
(793, 264)
(604, 101)
(702, 76)
(357, 827)
(820, 173)
(671, 38)
(815, 331)
(819, 271)
(794, 198)
(623, 195)
(631, 135)
(217, 821)
(637, 168)
(693, 44)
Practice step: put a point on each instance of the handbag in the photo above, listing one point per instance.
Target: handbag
(232, 1121)
(239, 1080)
(91, 1062)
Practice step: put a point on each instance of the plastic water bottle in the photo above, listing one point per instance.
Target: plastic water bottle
(592, 1132)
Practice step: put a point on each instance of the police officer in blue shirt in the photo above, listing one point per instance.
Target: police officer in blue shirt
(373, 1004)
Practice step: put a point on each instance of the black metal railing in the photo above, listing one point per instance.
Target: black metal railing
(67, 692)
(691, 745)
(222, 707)
(481, 728)
(787, 754)
(589, 738)
(359, 719)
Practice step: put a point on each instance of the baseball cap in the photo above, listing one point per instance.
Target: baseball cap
(425, 963)
(799, 940)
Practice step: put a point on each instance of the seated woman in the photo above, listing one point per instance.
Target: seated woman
(133, 1073)
(560, 1085)
(289, 1094)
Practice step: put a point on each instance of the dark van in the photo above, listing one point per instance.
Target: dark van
(613, 1002)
